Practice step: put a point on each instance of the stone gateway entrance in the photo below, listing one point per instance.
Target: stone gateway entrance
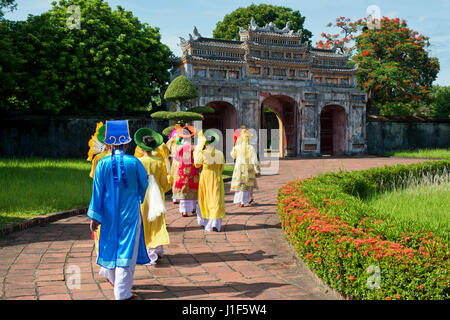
(271, 69)
(332, 130)
(285, 109)
(225, 117)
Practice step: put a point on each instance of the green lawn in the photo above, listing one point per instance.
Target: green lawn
(228, 171)
(418, 208)
(32, 187)
(422, 153)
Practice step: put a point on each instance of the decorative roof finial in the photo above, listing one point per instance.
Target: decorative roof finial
(288, 27)
(197, 35)
(253, 26)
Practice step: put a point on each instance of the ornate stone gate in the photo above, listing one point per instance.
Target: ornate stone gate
(271, 67)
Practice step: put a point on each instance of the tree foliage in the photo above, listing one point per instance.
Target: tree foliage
(440, 107)
(395, 69)
(228, 28)
(112, 64)
(7, 5)
(344, 38)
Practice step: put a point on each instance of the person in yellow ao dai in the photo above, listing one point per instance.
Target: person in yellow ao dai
(211, 194)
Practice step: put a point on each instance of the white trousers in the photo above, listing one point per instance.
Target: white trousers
(121, 277)
(243, 197)
(154, 254)
(209, 224)
(188, 205)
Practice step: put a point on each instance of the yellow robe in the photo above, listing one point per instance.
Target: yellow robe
(211, 193)
(163, 153)
(245, 170)
(95, 161)
(155, 232)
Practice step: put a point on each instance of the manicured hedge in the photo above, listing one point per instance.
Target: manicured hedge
(181, 89)
(346, 244)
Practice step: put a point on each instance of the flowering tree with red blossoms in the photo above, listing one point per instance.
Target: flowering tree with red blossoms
(395, 69)
(344, 38)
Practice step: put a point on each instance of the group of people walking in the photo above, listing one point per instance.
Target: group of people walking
(127, 208)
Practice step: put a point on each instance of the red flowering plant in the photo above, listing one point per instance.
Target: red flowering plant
(344, 40)
(394, 67)
(343, 240)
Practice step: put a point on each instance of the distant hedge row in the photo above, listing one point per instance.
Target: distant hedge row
(343, 241)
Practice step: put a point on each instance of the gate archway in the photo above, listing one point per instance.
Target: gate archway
(224, 117)
(332, 130)
(284, 108)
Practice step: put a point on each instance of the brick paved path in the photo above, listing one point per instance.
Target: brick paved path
(248, 259)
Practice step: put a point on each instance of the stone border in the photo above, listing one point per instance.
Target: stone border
(40, 220)
(304, 269)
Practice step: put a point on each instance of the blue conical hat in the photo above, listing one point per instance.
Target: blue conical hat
(117, 132)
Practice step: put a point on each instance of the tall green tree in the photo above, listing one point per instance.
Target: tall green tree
(7, 5)
(9, 58)
(228, 28)
(395, 68)
(110, 63)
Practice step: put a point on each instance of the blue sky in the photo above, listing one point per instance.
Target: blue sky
(176, 18)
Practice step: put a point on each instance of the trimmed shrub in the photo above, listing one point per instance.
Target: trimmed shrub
(184, 116)
(160, 115)
(202, 109)
(167, 131)
(181, 89)
(352, 249)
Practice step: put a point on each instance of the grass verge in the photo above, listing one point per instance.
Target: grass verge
(421, 153)
(33, 187)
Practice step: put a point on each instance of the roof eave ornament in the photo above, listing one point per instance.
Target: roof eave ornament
(253, 26)
(287, 28)
(196, 36)
(271, 27)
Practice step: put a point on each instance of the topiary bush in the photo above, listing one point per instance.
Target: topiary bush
(184, 116)
(352, 249)
(181, 90)
(202, 109)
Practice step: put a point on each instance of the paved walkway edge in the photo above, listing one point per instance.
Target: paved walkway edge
(19, 226)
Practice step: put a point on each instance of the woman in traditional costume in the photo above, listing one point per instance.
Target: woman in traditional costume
(245, 169)
(153, 209)
(185, 188)
(172, 148)
(119, 186)
(211, 193)
(98, 148)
